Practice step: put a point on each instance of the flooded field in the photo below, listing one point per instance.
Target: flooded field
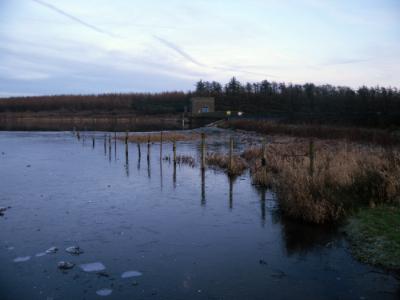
(82, 222)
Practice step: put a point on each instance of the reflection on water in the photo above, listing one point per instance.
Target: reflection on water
(203, 186)
(128, 220)
(231, 179)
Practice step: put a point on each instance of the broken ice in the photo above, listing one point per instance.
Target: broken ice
(75, 250)
(93, 267)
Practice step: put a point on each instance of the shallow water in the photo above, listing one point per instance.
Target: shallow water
(191, 235)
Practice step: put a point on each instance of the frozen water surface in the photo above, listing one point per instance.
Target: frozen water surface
(104, 292)
(194, 235)
(129, 274)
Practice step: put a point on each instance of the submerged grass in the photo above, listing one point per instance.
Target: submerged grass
(222, 162)
(182, 160)
(375, 236)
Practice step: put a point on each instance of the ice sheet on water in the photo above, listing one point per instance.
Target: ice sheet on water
(93, 267)
(104, 292)
(41, 254)
(22, 259)
(129, 274)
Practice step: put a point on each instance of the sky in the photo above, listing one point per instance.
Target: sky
(104, 46)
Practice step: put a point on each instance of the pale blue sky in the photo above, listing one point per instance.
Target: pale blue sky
(95, 46)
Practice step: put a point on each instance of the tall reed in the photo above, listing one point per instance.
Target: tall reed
(345, 177)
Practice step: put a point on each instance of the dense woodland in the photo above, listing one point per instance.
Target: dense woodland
(365, 105)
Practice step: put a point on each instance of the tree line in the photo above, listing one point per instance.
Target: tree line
(371, 105)
(266, 96)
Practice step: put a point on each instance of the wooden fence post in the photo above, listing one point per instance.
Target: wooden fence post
(139, 152)
(105, 145)
(312, 156)
(109, 148)
(126, 145)
(203, 151)
(115, 144)
(161, 144)
(264, 158)
(174, 151)
(230, 166)
(148, 147)
(93, 141)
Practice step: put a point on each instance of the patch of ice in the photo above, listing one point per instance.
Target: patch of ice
(10, 248)
(129, 274)
(93, 267)
(65, 265)
(104, 292)
(41, 254)
(75, 250)
(22, 259)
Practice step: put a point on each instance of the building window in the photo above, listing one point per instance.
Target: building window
(204, 109)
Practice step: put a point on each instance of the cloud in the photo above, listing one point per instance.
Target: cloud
(178, 50)
(71, 17)
(345, 61)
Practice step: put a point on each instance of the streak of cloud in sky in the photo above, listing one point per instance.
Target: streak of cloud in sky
(60, 11)
(60, 46)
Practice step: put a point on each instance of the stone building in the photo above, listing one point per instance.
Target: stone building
(200, 105)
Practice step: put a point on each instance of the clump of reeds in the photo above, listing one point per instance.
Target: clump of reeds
(222, 161)
(343, 178)
(182, 160)
(156, 137)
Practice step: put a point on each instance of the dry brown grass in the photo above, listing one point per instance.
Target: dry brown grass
(221, 161)
(156, 137)
(88, 122)
(356, 134)
(345, 177)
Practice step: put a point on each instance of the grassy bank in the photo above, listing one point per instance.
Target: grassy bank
(375, 236)
(88, 121)
(323, 132)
